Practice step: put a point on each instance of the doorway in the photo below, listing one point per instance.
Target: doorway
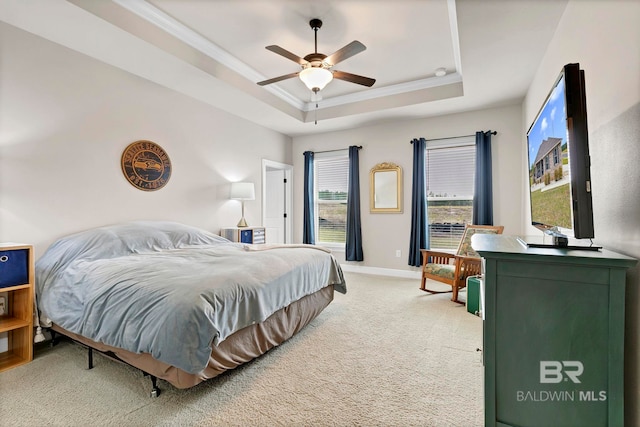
(276, 201)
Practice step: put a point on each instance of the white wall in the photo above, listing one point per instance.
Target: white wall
(66, 119)
(383, 234)
(604, 37)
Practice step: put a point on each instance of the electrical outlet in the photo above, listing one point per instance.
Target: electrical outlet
(398, 253)
(2, 306)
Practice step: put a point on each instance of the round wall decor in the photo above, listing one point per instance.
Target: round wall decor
(146, 166)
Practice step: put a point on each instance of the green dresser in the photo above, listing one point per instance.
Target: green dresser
(553, 334)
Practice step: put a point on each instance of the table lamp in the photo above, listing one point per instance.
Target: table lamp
(242, 191)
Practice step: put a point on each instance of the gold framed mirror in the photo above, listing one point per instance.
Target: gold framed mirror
(385, 188)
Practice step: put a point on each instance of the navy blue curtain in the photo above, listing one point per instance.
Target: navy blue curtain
(308, 232)
(419, 219)
(483, 195)
(353, 247)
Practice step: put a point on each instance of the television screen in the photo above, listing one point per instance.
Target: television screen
(558, 152)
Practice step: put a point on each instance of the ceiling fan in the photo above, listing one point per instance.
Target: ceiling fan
(317, 67)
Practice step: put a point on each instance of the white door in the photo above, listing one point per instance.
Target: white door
(277, 202)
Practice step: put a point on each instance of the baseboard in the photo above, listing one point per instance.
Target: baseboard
(407, 274)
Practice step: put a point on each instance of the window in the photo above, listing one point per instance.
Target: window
(450, 176)
(331, 187)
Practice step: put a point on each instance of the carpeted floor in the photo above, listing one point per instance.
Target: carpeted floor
(384, 354)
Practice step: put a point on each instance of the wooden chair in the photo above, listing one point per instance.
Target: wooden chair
(453, 269)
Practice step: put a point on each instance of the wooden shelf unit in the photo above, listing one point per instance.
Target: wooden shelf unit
(17, 321)
(252, 235)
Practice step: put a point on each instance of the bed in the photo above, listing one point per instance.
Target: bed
(178, 302)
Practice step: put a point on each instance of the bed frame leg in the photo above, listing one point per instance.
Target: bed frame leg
(155, 390)
(90, 358)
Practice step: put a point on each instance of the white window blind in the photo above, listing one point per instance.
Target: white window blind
(450, 177)
(331, 187)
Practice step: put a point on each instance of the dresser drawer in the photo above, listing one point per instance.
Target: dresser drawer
(14, 268)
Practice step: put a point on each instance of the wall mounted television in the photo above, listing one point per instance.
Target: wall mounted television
(559, 164)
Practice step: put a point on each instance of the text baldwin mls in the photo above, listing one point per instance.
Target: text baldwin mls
(554, 372)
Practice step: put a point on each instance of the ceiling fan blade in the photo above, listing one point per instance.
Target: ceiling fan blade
(287, 54)
(353, 78)
(277, 79)
(346, 52)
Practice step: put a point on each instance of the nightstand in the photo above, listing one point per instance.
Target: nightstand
(252, 235)
(16, 298)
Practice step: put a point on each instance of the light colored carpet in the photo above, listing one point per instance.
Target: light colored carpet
(384, 354)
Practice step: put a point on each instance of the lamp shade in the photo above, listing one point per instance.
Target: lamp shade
(242, 191)
(315, 78)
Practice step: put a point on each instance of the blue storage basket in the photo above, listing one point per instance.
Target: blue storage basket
(14, 268)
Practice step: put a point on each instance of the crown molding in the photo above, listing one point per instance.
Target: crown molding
(385, 91)
(183, 33)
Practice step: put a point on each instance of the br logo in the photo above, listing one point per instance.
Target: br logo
(554, 371)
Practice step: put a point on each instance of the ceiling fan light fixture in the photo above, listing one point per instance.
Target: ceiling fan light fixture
(317, 67)
(315, 78)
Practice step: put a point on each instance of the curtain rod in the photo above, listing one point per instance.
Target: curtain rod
(492, 132)
(341, 149)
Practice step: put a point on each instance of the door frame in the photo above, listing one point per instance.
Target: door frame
(288, 173)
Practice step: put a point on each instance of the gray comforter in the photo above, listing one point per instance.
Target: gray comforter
(172, 290)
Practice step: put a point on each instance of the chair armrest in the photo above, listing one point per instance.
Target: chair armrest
(437, 257)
